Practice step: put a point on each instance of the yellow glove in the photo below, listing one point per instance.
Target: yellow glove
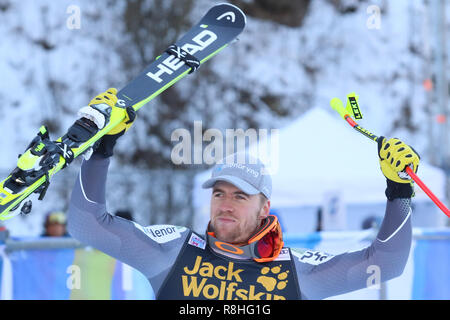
(109, 98)
(105, 104)
(394, 156)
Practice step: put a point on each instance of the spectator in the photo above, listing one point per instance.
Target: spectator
(55, 224)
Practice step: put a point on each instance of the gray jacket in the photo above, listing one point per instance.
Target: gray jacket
(154, 252)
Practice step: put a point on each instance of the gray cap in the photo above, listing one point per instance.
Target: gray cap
(248, 175)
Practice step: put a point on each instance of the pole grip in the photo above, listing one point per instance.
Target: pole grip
(337, 105)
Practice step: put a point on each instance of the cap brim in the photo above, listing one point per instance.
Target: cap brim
(237, 182)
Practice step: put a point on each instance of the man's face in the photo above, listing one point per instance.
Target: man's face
(55, 229)
(235, 215)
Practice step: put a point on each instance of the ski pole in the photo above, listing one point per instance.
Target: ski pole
(352, 107)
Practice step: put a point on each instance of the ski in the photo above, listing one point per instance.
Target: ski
(44, 157)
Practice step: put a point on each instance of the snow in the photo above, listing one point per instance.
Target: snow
(331, 55)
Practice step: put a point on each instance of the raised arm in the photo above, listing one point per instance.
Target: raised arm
(90, 222)
(321, 275)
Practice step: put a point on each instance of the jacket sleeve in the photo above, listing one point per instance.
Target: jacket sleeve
(322, 275)
(147, 249)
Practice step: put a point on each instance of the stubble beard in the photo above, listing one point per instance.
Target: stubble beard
(238, 234)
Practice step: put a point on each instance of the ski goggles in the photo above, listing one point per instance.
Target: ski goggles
(264, 246)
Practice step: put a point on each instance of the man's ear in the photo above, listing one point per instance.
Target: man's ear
(265, 210)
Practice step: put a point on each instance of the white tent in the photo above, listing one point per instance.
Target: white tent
(319, 154)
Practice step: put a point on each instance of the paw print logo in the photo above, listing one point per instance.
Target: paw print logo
(272, 278)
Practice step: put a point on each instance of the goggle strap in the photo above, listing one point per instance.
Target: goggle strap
(268, 224)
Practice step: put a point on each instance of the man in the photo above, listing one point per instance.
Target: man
(241, 255)
(55, 224)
